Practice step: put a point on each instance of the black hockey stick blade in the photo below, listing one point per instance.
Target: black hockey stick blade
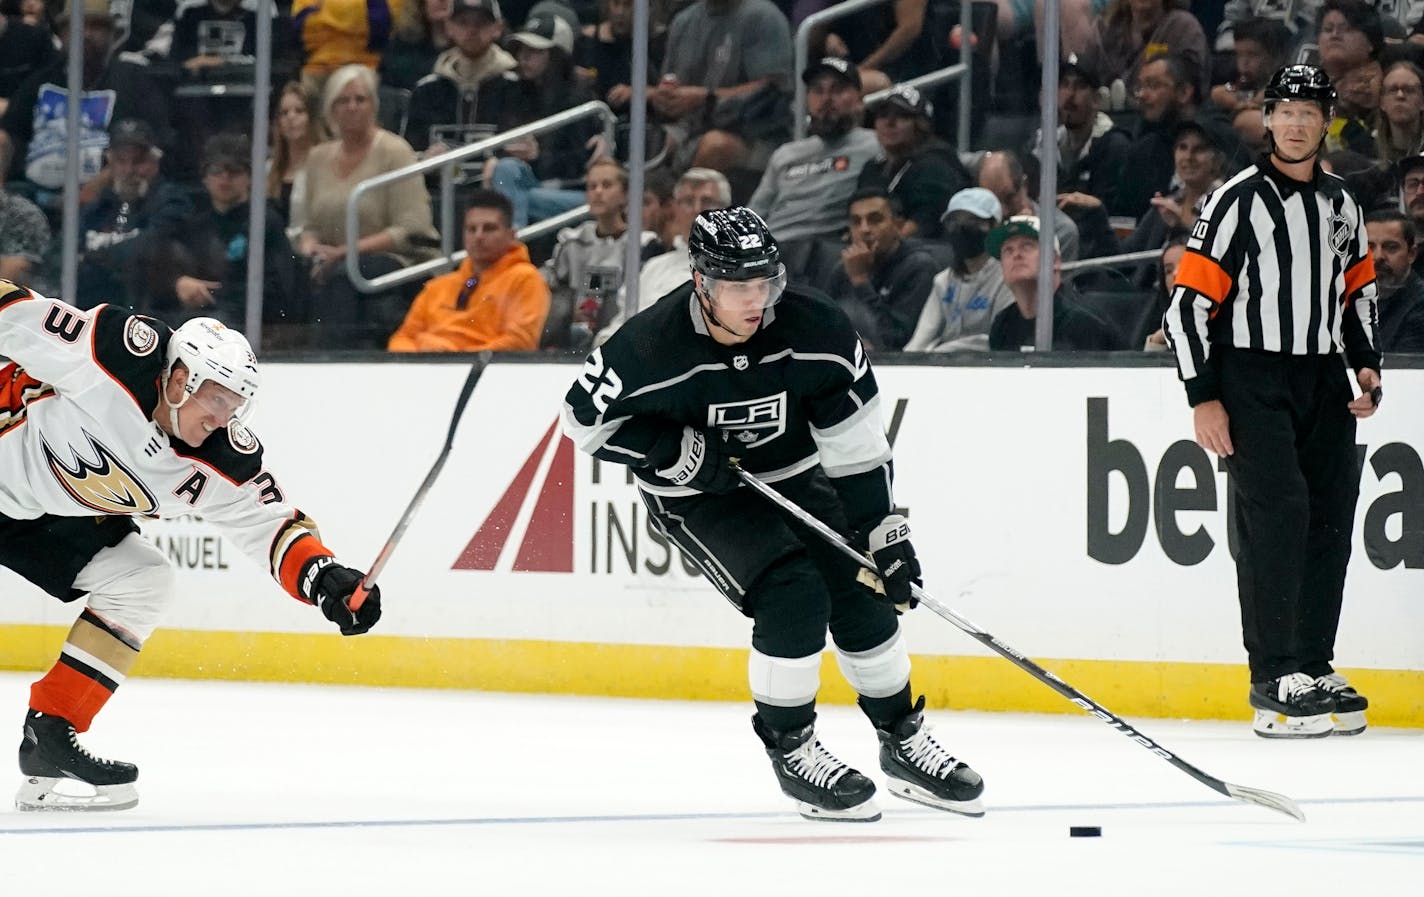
(358, 597)
(1259, 796)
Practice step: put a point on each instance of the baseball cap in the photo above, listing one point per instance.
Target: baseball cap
(488, 7)
(842, 69)
(1211, 136)
(906, 98)
(228, 151)
(132, 132)
(1408, 164)
(1073, 64)
(545, 30)
(977, 201)
(1017, 226)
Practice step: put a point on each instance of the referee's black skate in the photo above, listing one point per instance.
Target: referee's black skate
(61, 775)
(1350, 705)
(822, 786)
(918, 768)
(1293, 706)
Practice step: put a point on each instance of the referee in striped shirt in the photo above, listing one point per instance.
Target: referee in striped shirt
(1276, 283)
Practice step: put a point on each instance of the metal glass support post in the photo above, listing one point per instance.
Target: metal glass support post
(1048, 178)
(69, 274)
(966, 80)
(448, 228)
(257, 192)
(637, 149)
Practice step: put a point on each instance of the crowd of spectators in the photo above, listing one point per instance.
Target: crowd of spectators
(927, 243)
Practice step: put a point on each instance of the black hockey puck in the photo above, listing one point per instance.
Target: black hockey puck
(1085, 831)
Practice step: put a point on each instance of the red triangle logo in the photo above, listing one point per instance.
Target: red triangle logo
(547, 545)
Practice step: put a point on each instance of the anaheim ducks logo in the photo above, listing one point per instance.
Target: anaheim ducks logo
(97, 479)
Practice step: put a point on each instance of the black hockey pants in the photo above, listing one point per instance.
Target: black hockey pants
(738, 538)
(1295, 480)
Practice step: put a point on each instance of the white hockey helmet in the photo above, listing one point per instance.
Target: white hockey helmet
(210, 350)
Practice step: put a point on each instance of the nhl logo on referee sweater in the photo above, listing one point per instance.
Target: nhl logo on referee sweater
(1340, 233)
(740, 362)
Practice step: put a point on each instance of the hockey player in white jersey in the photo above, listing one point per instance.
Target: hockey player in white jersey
(106, 415)
(737, 363)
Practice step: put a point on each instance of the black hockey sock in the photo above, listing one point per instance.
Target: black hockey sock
(786, 719)
(885, 711)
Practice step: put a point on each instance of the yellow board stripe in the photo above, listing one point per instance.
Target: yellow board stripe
(1128, 688)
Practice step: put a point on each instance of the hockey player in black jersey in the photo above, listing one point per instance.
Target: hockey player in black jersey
(739, 365)
(105, 416)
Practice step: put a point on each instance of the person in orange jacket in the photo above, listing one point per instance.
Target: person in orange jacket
(495, 300)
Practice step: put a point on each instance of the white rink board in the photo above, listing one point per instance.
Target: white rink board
(993, 464)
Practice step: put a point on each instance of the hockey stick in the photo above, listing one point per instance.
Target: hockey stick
(1269, 799)
(358, 597)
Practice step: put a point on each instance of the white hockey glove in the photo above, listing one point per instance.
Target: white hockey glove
(888, 543)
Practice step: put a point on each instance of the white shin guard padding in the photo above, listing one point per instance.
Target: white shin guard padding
(880, 672)
(784, 681)
(129, 585)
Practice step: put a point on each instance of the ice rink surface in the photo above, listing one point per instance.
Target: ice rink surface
(313, 790)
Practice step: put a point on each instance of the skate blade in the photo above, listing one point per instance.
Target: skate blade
(1350, 723)
(1269, 724)
(39, 793)
(866, 812)
(912, 792)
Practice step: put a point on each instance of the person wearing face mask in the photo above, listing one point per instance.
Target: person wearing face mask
(1394, 245)
(882, 278)
(964, 297)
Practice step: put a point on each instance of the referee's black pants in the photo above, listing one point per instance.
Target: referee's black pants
(1295, 480)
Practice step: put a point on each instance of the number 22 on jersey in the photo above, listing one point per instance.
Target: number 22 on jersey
(602, 382)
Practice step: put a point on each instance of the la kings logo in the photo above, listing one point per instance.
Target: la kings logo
(753, 422)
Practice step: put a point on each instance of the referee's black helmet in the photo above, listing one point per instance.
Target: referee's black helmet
(733, 244)
(1301, 82)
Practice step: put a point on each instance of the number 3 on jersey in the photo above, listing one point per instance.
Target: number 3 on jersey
(602, 382)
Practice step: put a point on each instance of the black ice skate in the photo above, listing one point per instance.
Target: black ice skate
(918, 768)
(822, 786)
(1293, 706)
(1350, 705)
(61, 775)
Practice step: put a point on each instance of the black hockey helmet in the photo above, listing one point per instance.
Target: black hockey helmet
(733, 244)
(1301, 82)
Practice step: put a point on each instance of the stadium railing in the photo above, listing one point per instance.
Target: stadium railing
(446, 163)
(960, 71)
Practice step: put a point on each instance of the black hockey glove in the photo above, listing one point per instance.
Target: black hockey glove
(699, 460)
(332, 586)
(888, 543)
